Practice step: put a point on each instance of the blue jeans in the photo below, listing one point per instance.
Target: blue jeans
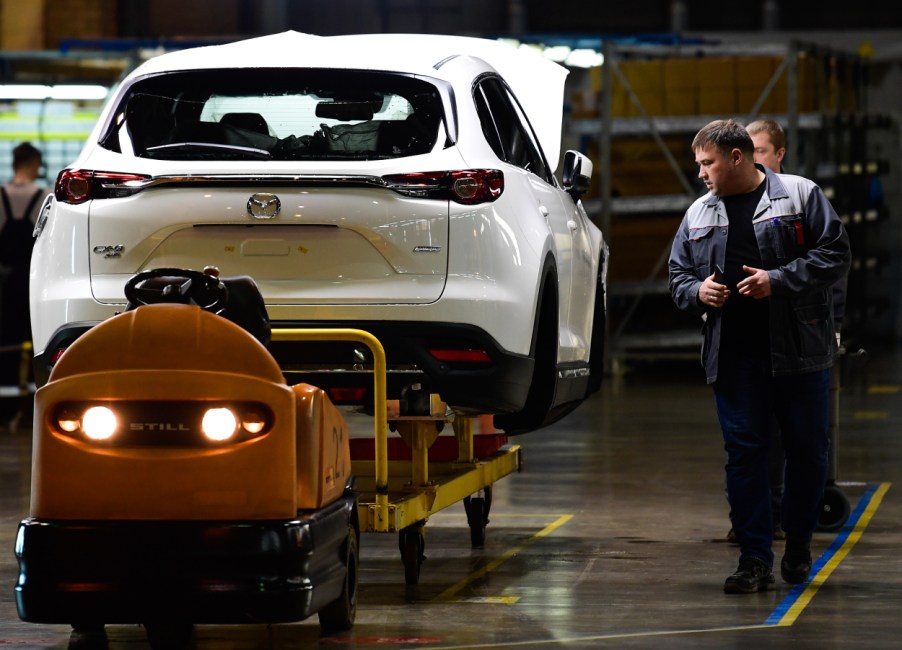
(748, 397)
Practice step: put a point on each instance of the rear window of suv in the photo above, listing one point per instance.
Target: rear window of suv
(276, 114)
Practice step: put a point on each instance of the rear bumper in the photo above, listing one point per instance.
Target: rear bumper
(498, 386)
(199, 572)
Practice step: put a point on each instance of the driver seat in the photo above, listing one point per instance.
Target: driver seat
(244, 304)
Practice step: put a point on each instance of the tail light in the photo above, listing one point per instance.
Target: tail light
(469, 187)
(56, 356)
(461, 355)
(80, 185)
(347, 395)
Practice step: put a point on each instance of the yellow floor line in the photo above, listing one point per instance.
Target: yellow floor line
(597, 637)
(870, 415)
(448, 593)
(883, 390)
(821, 577)
(786, 620)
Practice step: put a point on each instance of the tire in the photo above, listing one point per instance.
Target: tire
(537, 411)
(834, 511)
(412, 543)
(477, 509)
(339, 615)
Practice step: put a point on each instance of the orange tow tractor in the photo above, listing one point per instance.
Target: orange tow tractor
(178, 480)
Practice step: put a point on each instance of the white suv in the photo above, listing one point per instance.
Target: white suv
(402, 184)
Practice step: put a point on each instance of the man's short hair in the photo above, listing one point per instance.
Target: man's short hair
(773, 130)
(26, 154)
(726, 135)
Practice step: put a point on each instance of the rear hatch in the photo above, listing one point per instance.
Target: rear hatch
(298, 178)
(337, 245)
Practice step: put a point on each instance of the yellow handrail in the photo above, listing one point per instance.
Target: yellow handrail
(379, 396)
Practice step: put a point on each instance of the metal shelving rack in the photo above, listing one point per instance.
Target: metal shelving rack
(808, 150)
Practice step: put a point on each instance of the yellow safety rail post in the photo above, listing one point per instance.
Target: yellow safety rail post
(463, 429)
(419, 436)
(24, 365)
(380, 510)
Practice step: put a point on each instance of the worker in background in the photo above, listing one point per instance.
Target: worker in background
(756, 257)
(21, 201)
(770, 143)
(769, 140)
(770, 149)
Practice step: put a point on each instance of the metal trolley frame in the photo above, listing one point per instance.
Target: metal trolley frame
(399, 495)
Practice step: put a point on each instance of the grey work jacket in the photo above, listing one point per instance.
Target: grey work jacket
(805, 251)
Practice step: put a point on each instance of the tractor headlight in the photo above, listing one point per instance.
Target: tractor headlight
(253, 420)
(68, 421)
(98, 423)
(219, 424)
(163, 423)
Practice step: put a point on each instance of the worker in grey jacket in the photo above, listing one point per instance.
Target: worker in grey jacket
(757, 257)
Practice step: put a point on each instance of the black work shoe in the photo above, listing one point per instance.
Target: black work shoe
(731, 537)
(751, 576)
(796, 563)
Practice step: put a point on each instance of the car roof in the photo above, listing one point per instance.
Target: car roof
(536, 81)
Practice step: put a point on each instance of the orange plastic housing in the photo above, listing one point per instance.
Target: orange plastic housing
(179, 352)
(323, 451)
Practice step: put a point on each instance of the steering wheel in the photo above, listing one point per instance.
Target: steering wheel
(182, 286)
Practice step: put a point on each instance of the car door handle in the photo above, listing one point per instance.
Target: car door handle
(543, 210)
(572, 225)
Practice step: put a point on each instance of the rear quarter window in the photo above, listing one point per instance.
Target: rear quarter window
(507, 129)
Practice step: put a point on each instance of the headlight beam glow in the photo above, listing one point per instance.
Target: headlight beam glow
(219, 424)
(98, 423)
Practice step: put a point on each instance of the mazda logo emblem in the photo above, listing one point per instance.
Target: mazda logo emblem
(263, 205)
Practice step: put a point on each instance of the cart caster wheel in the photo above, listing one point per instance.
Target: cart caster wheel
(412, 543)
(170, 636)
(478, 516)
(834, 510)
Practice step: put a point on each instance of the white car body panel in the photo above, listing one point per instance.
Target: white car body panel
(351, 251)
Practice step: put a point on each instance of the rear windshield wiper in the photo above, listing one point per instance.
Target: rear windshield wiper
(211, 147)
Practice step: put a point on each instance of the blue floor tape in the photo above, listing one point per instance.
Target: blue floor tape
(792, 597)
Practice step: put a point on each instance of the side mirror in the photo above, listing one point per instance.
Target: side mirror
(577, 174)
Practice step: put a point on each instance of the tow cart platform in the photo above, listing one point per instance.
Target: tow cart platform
(402, 481)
